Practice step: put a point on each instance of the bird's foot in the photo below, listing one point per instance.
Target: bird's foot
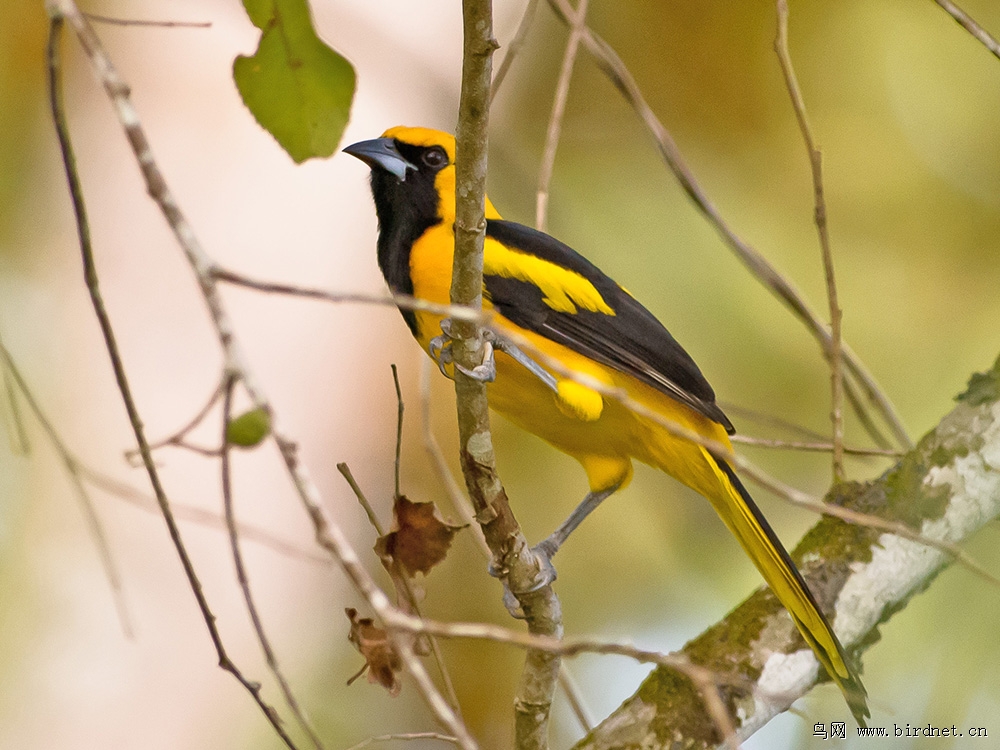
(544, 576)
(440, 349)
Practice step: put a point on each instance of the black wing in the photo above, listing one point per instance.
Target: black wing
(632, 340)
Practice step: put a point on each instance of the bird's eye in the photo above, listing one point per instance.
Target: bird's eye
(435, 158)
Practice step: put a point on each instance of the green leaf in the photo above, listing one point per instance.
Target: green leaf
(248, 429)
(297, 88)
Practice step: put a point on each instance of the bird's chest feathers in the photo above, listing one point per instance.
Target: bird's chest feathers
(430, 264)
(430, 271)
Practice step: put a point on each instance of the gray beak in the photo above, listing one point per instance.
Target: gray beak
(381, 153)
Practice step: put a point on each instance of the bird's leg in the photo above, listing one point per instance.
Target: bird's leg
(545, 550)
(525, 361)
(440, 351)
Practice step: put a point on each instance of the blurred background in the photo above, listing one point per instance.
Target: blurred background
(905, 106)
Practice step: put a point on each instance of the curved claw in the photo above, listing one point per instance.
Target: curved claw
(439, 349)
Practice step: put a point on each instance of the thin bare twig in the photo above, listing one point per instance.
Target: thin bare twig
(66, 10)
(157, 24)
(816, 165)
(402, 301)
(459, 501)
(574, 696)
(612, 65)
(399, 424)
(864, 415)
(244, 580)
(94, 526)
(719, 450)
(17, 434)
(404, 589)
(770, 420)
(705, 680)
(404, 737)
(966, 22)
(177, 438)
(345, 471)
(328, 535)
(514, 47)
(819, 447)
(578, 23)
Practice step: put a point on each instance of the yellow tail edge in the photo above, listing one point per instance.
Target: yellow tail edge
(744, 519)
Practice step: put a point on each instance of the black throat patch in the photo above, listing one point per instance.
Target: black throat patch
(406, 209)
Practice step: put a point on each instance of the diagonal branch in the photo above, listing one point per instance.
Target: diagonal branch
(612, 65)
(75, 475)
(513, 47)
(59, 14)
(968, 23)
(945, 489)
(328, 535)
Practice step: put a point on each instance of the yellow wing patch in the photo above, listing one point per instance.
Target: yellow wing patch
(562, 290)
(576, 400)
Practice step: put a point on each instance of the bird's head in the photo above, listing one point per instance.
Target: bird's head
(413, 170)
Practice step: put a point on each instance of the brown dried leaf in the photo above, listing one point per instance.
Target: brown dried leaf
(381, 659)
(420, 540)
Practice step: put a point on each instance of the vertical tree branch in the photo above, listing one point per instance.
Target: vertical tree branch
(833, 348)
(513, 560)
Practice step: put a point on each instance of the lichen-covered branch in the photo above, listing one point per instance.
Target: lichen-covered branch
(946, 488)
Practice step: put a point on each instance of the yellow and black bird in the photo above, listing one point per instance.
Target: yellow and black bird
(569, 310)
